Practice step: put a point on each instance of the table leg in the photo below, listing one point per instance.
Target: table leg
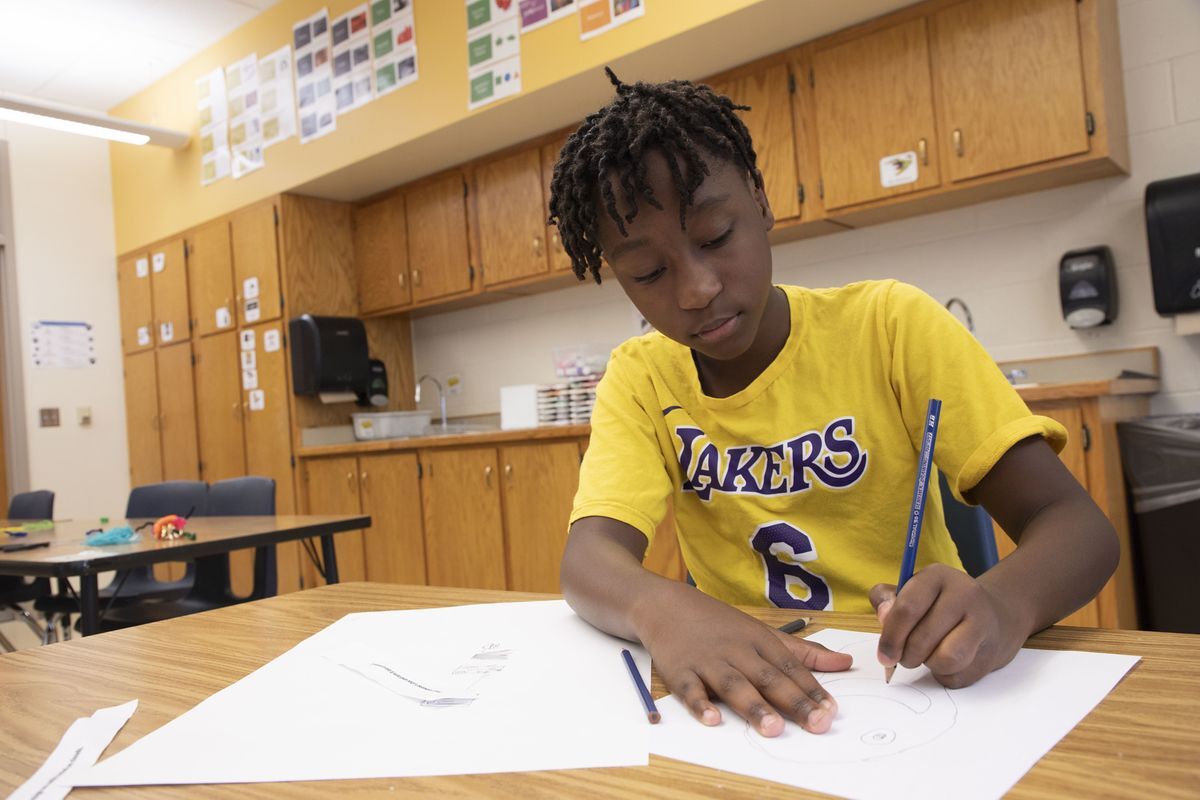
(89, 604)
(329, 555)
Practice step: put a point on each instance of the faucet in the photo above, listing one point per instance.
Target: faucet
(441, 394)
(970, 323)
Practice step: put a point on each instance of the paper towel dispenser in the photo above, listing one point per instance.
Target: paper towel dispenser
(329, 357)
(1173, 233)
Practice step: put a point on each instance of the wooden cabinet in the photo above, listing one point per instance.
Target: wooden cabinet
(873, 104)
(391, 496)
(141, 419)
(464, 535)
(210, 278)
(381, 254)
(767, 89)
(177, 413)
(168, 284)
(137, 303)
(256, 263)
(437, 238)
(331, 486)
(560, 262)
(1010, 84)
(509, 217)
(539, 482)
(219, 407)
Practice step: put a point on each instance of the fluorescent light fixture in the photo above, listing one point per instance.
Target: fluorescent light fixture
(72, 119)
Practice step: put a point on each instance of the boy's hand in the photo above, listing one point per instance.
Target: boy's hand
(947, 621)
(706, 649)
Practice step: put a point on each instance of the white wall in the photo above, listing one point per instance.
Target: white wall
(66, 270)
(1000, 257)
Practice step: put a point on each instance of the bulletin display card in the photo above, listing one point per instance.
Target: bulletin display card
(493, 51)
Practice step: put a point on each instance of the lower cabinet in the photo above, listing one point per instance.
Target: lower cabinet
(464, 534)
(539, 483)
(331, 487)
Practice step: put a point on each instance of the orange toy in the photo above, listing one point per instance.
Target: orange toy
(169, 527)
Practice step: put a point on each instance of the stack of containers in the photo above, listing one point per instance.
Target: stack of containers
(571, 399)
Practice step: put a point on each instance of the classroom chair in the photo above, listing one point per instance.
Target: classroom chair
(14, 589)
(246, 496)
(971, 529)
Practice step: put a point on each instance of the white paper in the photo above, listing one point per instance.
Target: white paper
(65, 345)
(159, 260)
(249, 379)
(562, 701)
(213, 112)
(314, 77)
(271, 340)
(250, 288)
(493, 51)
(898, 169)
(393, 45)
(252, 311)
(351, 37)
(493, 83)
(913, 738)
(224, 318)
(143, 335)
(258, 400)
(536, 13)
(245, 116)
(601, 16)
(78, 750)
(277, 102)
(249, 359)
(79, 556)
(247, 340)
(142, 267)
(166, 331)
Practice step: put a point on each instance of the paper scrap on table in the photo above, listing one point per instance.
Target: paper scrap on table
(503, 687)
(78, 750)
(913, 738)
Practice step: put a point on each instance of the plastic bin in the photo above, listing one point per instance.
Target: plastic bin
(1161, 459)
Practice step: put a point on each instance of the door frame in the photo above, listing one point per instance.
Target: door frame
(14, 476)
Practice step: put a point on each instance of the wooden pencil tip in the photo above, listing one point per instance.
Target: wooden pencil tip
(888, 672)
(654, 717)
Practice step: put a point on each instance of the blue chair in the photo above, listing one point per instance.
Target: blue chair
(14, 589)
(971, 529)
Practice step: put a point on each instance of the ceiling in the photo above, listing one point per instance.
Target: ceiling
(96, 53)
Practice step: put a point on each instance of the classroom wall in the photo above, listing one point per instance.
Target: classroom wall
(63, 254)
(1000, 257)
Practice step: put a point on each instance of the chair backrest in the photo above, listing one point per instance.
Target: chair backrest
(240, 497)
(32, 505)
(971, 529)
(168, 497)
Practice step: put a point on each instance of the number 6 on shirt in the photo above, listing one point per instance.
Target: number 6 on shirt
(777, 541)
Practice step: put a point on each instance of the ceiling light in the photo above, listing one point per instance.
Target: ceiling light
(72, 119)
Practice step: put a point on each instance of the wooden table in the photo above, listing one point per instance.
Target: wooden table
(1142, 741)
(66, 553)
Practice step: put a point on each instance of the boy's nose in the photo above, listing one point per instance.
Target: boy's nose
(697, 286)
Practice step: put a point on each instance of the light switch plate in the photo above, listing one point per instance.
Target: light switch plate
(49, 417)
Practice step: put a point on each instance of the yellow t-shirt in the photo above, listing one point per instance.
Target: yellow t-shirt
(796, 491)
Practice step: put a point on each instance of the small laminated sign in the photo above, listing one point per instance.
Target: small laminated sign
(142, 267)
(224, 318)
(258, 400)
(247, 340)
(271, 340)
(160, 262)
(898, 169)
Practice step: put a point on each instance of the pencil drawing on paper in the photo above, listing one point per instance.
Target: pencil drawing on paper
(875, 720)
(423, 682)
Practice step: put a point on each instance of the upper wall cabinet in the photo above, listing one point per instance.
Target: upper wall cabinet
(381, 254)
(438, 254)
(560, 262)
(137, 302)
(509, 217)
(168, 282)
(873, 100)
(210, 274)
(256, 263)
(767, 90)
(1010, 84)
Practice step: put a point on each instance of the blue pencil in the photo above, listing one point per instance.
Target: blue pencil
(648, 701)
(917, 514)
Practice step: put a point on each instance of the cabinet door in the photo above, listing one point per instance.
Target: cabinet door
(464, 537)
(769, 120)
(874, 104)
(141, 419)
(332, 488)
(177, 409)
(391, 495)
(137, 304)
(381, 254)
(168, 283)
(437, 238)
(1010, 84)
(559, 261)
(210, 276)
(539, 483)
(219, 407)
(508, 208)
(255, 263)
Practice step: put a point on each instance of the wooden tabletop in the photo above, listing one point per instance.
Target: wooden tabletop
(1142, 741)
(69, 554)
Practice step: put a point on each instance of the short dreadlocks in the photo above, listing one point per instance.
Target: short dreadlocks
(678, 118)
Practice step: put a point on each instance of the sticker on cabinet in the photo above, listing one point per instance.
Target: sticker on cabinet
(166, 331)
(143, 267)
(258, 400)
(224, 318)
(247, 340)
(143, 336)
(898, 169)
(249, 359)
(271, 340)
(249, 379)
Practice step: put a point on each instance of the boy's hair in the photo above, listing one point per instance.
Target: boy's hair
(683, 120)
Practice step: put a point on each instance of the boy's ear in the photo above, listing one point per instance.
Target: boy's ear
(760, 198)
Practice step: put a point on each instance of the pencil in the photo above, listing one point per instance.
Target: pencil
(917, 513)
(796, 625)
(648, 701)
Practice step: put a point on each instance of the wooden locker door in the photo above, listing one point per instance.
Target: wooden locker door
(137, 304)
(539, 483)
(332, 488)
(219, 407)
(177, 409)
(391, 494)
(769, 120)
(210, 276)
(558, 258)
(169, 285)
(437, 238)
(381, 254)
(464, 535)
(255, 263)
(141, 419)
(874, 100)
(1010, 84)
(508, 210)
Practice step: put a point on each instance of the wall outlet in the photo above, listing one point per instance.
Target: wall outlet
(453, 385)
(83, 415)
(49, 417)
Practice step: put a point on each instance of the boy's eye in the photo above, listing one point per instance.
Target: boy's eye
(720, 240)
(650, 277)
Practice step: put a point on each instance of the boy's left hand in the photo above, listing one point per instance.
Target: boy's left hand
(948, 621)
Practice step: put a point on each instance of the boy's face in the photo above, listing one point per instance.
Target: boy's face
(707, 286)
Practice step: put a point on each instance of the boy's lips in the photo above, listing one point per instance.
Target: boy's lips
(717, 329)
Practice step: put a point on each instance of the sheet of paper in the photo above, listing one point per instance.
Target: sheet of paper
(393, 45)
(213, 112)
(314, 77)
(277, 103)
(78, 749)
(503, 687)
(536, 13)
(493, 51)
(351, 37)
(601, 16)
(912, 738)
(62, 345)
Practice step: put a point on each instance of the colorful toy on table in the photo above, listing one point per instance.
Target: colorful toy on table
(120, 535)
(171, 527)
(28, 527)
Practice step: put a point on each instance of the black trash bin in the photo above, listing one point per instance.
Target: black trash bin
(1161, 458)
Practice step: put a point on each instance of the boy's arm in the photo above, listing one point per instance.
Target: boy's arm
(963, 628)
(701, 647)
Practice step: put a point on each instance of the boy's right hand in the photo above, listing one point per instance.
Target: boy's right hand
(705, 649)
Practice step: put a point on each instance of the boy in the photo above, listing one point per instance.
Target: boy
(784, 424)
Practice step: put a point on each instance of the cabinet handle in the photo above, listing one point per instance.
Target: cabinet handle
(958, 143)
(923, 151)
(537, 245)
(487, 475)
(400, 278)
(508, 473)
(416, 276)
(237, 408)
(554, 238)
(350, 479)
(363, 479)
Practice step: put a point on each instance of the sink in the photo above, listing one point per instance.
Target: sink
(456, 428)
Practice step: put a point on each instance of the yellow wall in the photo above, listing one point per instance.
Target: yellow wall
(157, 192)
